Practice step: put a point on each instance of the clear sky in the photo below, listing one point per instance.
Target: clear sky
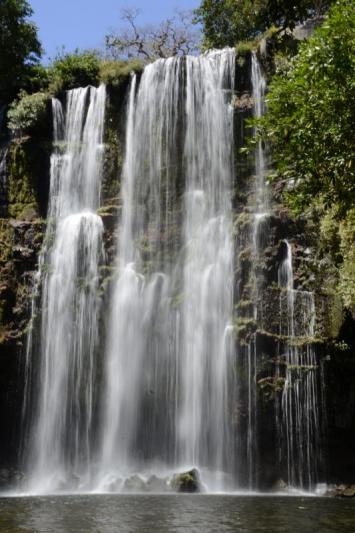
(84, 23)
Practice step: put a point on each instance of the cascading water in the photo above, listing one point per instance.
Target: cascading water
(299, 412)
(204, 425)
(140, 362)
(259, 228)
(168, 400)
(259, 90)
(58, 447)
(174, 387)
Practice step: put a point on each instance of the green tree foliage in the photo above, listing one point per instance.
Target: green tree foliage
(20, 49)
(288, 13)
(27, 113)
(225, 22)
(310, 116)
(74, 70)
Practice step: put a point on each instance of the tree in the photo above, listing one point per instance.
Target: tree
(288, 13)
(174, 36)
(226, 22)
(311, 115)
(71, 70)
(20, 49)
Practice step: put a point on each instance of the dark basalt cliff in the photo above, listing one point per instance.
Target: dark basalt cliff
(23, 203)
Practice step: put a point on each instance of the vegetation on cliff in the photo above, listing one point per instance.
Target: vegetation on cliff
(311, 115)
(309, 123)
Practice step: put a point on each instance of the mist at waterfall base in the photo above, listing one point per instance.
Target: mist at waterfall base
(157, 395)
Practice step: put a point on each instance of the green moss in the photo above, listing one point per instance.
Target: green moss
(245, 327)
(6, 244)
(242, 220)
(21, 183)
(336, 249)
(245, 254)
(6, 241)
(113, 163)
(271, 386)
(347, 269)
(244, 305)
(244, 48)
(186, 481)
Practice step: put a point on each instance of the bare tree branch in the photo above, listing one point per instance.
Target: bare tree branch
(174, 36)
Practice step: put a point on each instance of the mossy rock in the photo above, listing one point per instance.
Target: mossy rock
(28, 179)
(187, 481)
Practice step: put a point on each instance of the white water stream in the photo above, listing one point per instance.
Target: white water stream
(168, 362)
(299, 422)
(59, 442)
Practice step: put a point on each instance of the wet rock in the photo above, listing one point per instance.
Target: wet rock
(305, 30)
(279, 485)
(115, 485)
(10, 477)
(243, 102)
(157, 484)
(22, 253)
(187, 481)
(72, 481)
(134, 484)
(348, 492)
(342, 490)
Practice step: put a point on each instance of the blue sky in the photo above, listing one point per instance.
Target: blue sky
(84, 23)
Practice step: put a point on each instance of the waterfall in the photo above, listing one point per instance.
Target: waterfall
(61, 366)
(259, 90)
(208, 276)
(259, 236)
(299, 414)
(162, 388)
(140, 361)
(167, 403)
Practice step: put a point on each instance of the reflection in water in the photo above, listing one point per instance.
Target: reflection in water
(176, 513)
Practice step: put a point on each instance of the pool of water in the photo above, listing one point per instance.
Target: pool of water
(176, 513)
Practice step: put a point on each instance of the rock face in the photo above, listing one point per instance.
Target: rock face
(21, 233)
(22, 223)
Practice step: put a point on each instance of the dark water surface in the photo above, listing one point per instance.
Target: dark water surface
(171, 513)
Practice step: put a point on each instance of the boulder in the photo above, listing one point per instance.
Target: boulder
(187, 481)
(348, 492)
(279, 485)
(157, 484)
(134, 484)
